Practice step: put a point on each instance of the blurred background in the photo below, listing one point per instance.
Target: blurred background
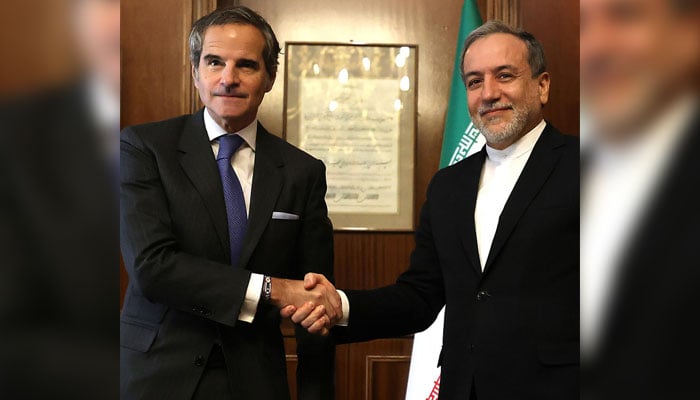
(640, 272)
(59, 249)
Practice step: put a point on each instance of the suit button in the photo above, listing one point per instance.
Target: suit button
(482, 295)
(471, 348)
(195, 309)
(199, 361)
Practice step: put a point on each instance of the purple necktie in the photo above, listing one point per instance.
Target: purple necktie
(233, 195)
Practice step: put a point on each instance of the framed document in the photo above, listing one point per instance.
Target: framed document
(354, 107)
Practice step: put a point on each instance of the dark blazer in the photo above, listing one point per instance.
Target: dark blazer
(513, 330)
(183, 294)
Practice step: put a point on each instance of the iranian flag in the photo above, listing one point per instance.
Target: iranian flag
(460, 140)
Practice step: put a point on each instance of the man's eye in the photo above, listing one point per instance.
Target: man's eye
(214, 63)
(505, 76)
(472, 83)
(249, 65)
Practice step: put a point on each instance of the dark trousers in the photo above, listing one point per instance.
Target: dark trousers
(214, 383)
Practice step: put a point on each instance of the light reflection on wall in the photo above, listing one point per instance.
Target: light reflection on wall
(343, 76)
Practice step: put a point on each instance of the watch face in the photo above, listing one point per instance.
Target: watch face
(267, 288)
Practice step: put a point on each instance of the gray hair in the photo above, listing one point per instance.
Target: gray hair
(240, 15)
(535, 51)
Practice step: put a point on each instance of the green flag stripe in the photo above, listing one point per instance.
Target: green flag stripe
(460, 133)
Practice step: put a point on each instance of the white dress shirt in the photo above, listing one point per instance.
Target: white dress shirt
(243, 162)
(501, 171)
(618, 181)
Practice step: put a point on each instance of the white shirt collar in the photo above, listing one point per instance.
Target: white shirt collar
(214, 131)
(522, 146)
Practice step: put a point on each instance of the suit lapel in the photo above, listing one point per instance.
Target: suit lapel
(198, 162)
(465, 199)
(267, 184)
(537, 169)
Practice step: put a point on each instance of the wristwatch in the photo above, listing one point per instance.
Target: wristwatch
(267, 288)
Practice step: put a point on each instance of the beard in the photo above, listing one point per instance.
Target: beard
(513, 128)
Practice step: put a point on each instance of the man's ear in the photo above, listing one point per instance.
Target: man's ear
(194, 76)
(543, 87)
(270, 82)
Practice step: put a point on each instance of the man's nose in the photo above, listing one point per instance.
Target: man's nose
(491, 90)
(230, 76)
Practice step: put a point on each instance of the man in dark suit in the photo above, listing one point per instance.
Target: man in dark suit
(212, 207)
(497, 242)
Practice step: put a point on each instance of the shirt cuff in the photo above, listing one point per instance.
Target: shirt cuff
(345, 304)
(252, 297)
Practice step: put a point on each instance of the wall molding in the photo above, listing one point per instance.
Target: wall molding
(191, 102)
(507, 11)
(371, 361)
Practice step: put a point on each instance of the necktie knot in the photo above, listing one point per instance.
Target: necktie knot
(228, 144)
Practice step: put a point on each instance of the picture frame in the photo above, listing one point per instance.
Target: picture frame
(353, 106)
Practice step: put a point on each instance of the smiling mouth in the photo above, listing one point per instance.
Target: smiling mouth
(493, 110)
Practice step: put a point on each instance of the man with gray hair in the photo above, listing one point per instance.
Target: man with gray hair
(215, 213)
(497, 242)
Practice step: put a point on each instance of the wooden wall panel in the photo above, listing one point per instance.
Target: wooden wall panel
(386, 376)
(290, 346)
(156, 80)
(556, 25)
(507, 11)
(153, 67)
(378, 370)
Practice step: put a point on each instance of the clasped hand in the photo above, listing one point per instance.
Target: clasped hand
(313, 303)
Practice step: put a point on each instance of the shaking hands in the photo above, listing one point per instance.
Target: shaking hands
(312, 303)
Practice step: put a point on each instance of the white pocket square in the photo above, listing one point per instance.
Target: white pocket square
(284, 215)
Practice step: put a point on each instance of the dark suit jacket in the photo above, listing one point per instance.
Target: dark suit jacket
(183, 294)
(513, 330)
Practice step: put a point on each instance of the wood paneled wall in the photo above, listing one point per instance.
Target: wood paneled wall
(156, 85)
(556, 25)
